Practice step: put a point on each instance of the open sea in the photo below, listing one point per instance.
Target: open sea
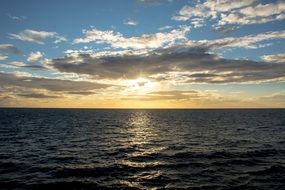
(142, 149)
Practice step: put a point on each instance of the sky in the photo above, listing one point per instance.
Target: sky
(142, 53)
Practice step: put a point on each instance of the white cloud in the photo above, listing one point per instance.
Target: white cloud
(261, 13)
(188, 12)
(3, 57)
(165, 27)
(37, 36)
(197, 22)
(146, 41)
(17, 63)
(227, 5)
(264, 10)
(278, 58)
(210, 8)
(250, 41)
(16, 18)
(59, 39)
(131, 22)
(232, 12)
(35, 56)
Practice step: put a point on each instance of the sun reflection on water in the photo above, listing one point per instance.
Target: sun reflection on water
(139, 128)
(142, 140)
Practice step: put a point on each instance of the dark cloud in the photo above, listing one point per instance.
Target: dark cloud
(226, 29)
(57, 85)
(206, 67)
(113, 67)
(9, 48)
(38, 96)
(86, 93)
(36, 67)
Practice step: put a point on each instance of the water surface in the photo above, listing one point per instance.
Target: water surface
(142, 149)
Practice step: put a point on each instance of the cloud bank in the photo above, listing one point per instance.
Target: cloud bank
(193, 65)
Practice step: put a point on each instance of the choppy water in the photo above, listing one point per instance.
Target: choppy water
(142, 149)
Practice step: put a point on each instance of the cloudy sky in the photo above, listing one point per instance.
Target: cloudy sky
(142, 53)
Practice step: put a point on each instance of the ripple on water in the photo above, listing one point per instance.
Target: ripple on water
(141, 149)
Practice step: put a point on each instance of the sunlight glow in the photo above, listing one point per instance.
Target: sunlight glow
(141, 86)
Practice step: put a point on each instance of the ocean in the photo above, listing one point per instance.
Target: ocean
(142, 149)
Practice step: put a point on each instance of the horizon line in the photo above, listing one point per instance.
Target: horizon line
(134, 108)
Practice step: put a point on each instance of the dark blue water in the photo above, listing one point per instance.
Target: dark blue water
(142, 149)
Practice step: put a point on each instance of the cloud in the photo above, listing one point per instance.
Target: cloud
(23, 65)
(166, 95)
(225, 29)
(146, 41)
(35, 56)
(165, 27)
(38, 95)
(174, 95)
(17, 63)
(209, 9)
(278, 58)
(150, 2)
(8, 80)
(3, 57)
(273, 100)
(190, 65)
(34, 67)
(250, 41)
(17, 18)
(231, 12)
(257, 14)
(188, 12)
(9, 48)
(131, 22)
(85, 93)
(197, 22)
(227, 5)
(37, 36)
(59, 39)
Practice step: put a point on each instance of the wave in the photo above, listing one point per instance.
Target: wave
(125, 149)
